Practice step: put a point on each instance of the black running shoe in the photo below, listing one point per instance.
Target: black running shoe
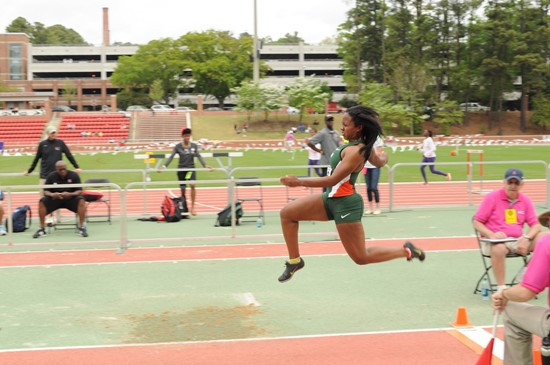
(41, 232)
(290, 270)
(414, 253)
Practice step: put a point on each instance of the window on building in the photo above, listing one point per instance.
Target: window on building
(15, 61)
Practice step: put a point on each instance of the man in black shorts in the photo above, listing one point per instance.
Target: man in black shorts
(57, 198)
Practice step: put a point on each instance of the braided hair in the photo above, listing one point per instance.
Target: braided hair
(368, 119)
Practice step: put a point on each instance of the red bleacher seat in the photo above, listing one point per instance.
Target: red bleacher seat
(114, 127)
(21, 131)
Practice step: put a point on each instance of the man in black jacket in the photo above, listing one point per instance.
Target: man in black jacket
(57, 198)
(50, 151)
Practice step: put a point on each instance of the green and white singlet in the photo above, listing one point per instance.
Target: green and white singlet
(342, 203)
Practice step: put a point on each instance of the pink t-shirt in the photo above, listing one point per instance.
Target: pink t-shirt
(537, 275)
(493, 209)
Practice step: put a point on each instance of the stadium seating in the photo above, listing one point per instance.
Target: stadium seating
(159, 127)
(93, 128)
(20, 131)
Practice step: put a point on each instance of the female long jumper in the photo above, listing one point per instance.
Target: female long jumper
(341, 203)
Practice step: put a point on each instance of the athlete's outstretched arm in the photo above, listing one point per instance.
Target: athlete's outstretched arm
(378, 159)
(351, 161)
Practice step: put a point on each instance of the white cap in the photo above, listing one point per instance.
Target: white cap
(51, 129)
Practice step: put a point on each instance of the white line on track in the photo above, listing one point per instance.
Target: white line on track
(235, 340)
(202, 260)
(368, 240)
(482, 338)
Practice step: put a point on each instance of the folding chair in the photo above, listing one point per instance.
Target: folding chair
(486, 259)
(251, 195)
(58, 224)
(90, 200)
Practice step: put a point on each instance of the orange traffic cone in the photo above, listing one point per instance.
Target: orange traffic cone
(461, 318)
(487, 354)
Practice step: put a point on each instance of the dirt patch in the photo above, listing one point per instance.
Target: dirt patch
(205, 323)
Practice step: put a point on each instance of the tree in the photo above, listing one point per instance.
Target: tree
(361, 44)
(40, 34)
(496, 65)
(380, 97)
(447, 114)
(156, 92)
(160, 60)
(248, 95)
(129, 96)
(69, 91)
(253, 96)
(20, 25)
(289, 39)
(541, 111)
(219, 62)
(409, 82)
(532, 39)
(306, 92)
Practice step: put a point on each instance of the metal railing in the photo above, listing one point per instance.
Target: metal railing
(231, 182)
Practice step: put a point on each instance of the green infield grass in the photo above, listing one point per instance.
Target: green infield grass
(116, 161)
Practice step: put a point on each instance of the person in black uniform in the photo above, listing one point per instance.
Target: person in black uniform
(57, 198)
(187, 151)
(50, 151)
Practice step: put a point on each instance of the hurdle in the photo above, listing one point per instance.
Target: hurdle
(469, 154)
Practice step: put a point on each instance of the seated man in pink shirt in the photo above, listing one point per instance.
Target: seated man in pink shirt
(522, 320)
(502, 214)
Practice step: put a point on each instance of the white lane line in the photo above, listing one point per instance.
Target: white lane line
(482, 338)
(445, 329)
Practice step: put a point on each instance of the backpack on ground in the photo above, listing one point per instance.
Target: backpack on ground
(224, 217)
(170, 209)
(19, 219)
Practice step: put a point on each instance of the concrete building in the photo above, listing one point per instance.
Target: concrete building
(79, 75)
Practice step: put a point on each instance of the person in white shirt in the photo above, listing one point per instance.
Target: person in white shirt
(313, 156)
(428, 151)
(372, 175)
(2, 228)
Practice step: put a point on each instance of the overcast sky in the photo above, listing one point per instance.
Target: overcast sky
(139, 21)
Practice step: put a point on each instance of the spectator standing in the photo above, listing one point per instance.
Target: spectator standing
(313, 156)
(372, 176)
(502, 214)
(329, 140)
(290, 140)
(50, 151)
(2, 227)
(187, 152)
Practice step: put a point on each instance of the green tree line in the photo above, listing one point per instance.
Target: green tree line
(427, 51)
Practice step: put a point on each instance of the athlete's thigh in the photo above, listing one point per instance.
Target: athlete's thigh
(308, 208)
(352, 236)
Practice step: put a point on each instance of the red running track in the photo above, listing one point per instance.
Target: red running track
(212, 200)
(73, 257)
(392, 348)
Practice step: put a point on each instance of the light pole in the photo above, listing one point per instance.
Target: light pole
(256, 70)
